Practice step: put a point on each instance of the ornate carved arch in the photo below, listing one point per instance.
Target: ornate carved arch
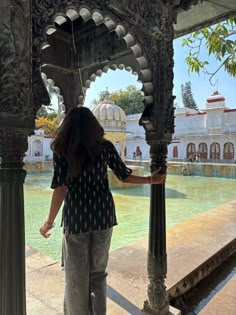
(125, 49)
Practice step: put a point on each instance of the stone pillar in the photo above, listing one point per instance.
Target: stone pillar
(157, 259)
(16, 121)
(158, 121)
(13, 144)
(122, 146)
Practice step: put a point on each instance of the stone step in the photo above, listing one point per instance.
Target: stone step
(224, 302)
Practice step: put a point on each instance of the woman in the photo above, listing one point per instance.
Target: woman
(81, 157)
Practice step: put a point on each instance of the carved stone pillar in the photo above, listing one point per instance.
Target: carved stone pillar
(13, 144)
(122, 147)
(158, 121)
(157, 259)
(16, 122)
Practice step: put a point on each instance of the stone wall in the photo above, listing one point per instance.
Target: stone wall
(139, 167)
(195, 169)
(114, 182)
(38, 166)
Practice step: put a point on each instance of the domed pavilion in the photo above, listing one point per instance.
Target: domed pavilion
(113, 120)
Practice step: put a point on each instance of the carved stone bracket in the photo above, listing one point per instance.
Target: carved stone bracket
(158, 119)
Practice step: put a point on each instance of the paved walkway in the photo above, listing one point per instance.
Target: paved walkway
(224, 302)
(189, 245)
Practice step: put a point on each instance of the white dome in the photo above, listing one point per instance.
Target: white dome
(110, 116)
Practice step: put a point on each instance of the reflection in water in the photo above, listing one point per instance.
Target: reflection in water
(187, 196)
(144, 191)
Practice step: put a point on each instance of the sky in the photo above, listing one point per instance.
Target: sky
(201, 87)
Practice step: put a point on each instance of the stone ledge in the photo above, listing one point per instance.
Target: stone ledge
(194, 249)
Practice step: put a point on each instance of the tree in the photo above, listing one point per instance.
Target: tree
(42, 112)
(49, 126)
(130, 100)
(219, 41)
(187, 96)
(52, 115)
(47, 112)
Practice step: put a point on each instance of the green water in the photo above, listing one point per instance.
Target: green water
(186, 197)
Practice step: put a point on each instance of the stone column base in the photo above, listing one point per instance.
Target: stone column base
(174, 311)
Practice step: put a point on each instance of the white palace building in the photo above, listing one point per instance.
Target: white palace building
(210, 133)
(38, 148)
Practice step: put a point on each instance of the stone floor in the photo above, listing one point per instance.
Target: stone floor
(223, 302)
(190, 245)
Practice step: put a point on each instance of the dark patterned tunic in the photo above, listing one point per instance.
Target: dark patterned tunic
(89, 204)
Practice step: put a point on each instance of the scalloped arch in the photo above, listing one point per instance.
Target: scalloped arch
(147, 88)
(142, 68)
(57, 91)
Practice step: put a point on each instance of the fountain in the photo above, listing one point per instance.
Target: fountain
(113, 120)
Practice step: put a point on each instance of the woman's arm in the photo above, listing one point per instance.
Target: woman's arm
(56, 202)
(155, 178)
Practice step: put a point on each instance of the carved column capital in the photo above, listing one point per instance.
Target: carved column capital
(12, 176)
(13, 145)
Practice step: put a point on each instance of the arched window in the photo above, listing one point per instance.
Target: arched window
(37, 148)
(215, 151)
(228, 151)
(202, 150)
(191, 149)
(175, 151)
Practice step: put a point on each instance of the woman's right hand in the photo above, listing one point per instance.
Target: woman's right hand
(158, 178)
(44, 230)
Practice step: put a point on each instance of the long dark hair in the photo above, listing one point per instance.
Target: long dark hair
(79, 139)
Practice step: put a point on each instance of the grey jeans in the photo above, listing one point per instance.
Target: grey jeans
(85, 261)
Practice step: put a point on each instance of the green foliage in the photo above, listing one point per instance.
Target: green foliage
(219, 41)
(49, 126)
(44, 111)
(130, 100)
(52, 116)
(187, 96)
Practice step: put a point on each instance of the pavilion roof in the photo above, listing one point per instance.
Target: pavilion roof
(203, 14)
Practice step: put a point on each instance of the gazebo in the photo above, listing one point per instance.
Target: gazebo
(73, 42)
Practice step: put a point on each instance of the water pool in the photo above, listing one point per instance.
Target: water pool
(186, 196)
